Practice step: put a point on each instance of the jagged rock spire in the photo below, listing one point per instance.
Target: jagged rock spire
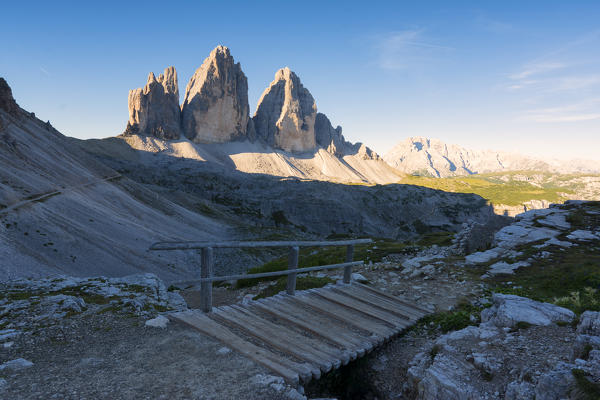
(7, 101)
(286, 112)
(215, 108)
(154, 109)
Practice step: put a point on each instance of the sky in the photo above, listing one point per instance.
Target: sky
(519, 76)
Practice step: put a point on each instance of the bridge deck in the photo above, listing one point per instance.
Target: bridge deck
(302, 336)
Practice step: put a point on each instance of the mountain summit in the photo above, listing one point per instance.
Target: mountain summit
(432, 157)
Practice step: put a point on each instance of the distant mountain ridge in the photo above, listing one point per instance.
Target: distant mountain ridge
(432, 157)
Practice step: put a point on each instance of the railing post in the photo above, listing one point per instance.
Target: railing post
(292, 264)
(349, 258)
(206, 270)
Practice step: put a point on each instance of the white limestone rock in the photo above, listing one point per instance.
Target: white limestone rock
(503, 267)
(154, 109)
(508, 310)
(215, 108)
(286, 114)
(583, 235)
(359, 278)
(440, 379)
(519, 391)
(589, 323)
(16, 365)
(158, 322)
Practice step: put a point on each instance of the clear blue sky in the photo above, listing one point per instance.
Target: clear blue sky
(522, 75)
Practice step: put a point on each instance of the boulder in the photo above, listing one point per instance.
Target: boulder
(508, 310)
(7, 102)
(589, 323)
(215, 108)
(286, 114)
(16, 365)
(519, 391)
(154, 109)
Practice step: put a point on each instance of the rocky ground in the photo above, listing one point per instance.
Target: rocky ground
(105, 338)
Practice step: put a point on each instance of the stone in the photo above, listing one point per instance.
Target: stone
(158, 322)
(508, 310)
(7, 101)
(154, 109)
(442, 379)
(589, 323)
(286, 114)
(583, 235)
(67, 303)
(519, 391)
(215, 108)
(503, 267)
(16, 365)
(556, 384)
(224, 350)
(359, 278)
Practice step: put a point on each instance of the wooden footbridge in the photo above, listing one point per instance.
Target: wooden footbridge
(299, 334)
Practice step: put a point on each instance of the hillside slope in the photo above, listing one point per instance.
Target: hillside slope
(61, 211)
(254, 158)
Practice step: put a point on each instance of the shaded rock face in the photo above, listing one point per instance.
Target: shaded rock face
(327, 137)
(154, 109)
(7, 102)
(286, 113)
(215, 108)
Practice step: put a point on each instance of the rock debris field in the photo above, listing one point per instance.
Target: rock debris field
(494, 334)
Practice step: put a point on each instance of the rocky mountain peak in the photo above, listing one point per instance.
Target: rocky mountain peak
(7, 102)
(215, 108)
(286, 113)
(154, 109)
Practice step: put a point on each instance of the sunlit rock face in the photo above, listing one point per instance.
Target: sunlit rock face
(154, 109)
(215, 108)
(286, 113)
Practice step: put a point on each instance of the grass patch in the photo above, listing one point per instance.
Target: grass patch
(509, 191)
(522, 325)
(568, 278)
(436, 238)
(464, 315)
(302, 283)
(313, 256)
(589, 390)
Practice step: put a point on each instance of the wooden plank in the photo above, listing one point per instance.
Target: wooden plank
(394, 298)
(289, 370)
(362, 307)
(380, 331)
(379, 301)
(315, 329)
(330, 352)
(188, 245)
(273, 337)
(316, 320)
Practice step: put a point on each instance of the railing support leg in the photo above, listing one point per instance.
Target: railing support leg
(206, 271)
(292, 264)
(349, 258)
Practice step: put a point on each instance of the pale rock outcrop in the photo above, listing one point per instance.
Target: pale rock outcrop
(215, 108)
(508, 310)
(589, 323)
(286, 114)
(154, 109)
